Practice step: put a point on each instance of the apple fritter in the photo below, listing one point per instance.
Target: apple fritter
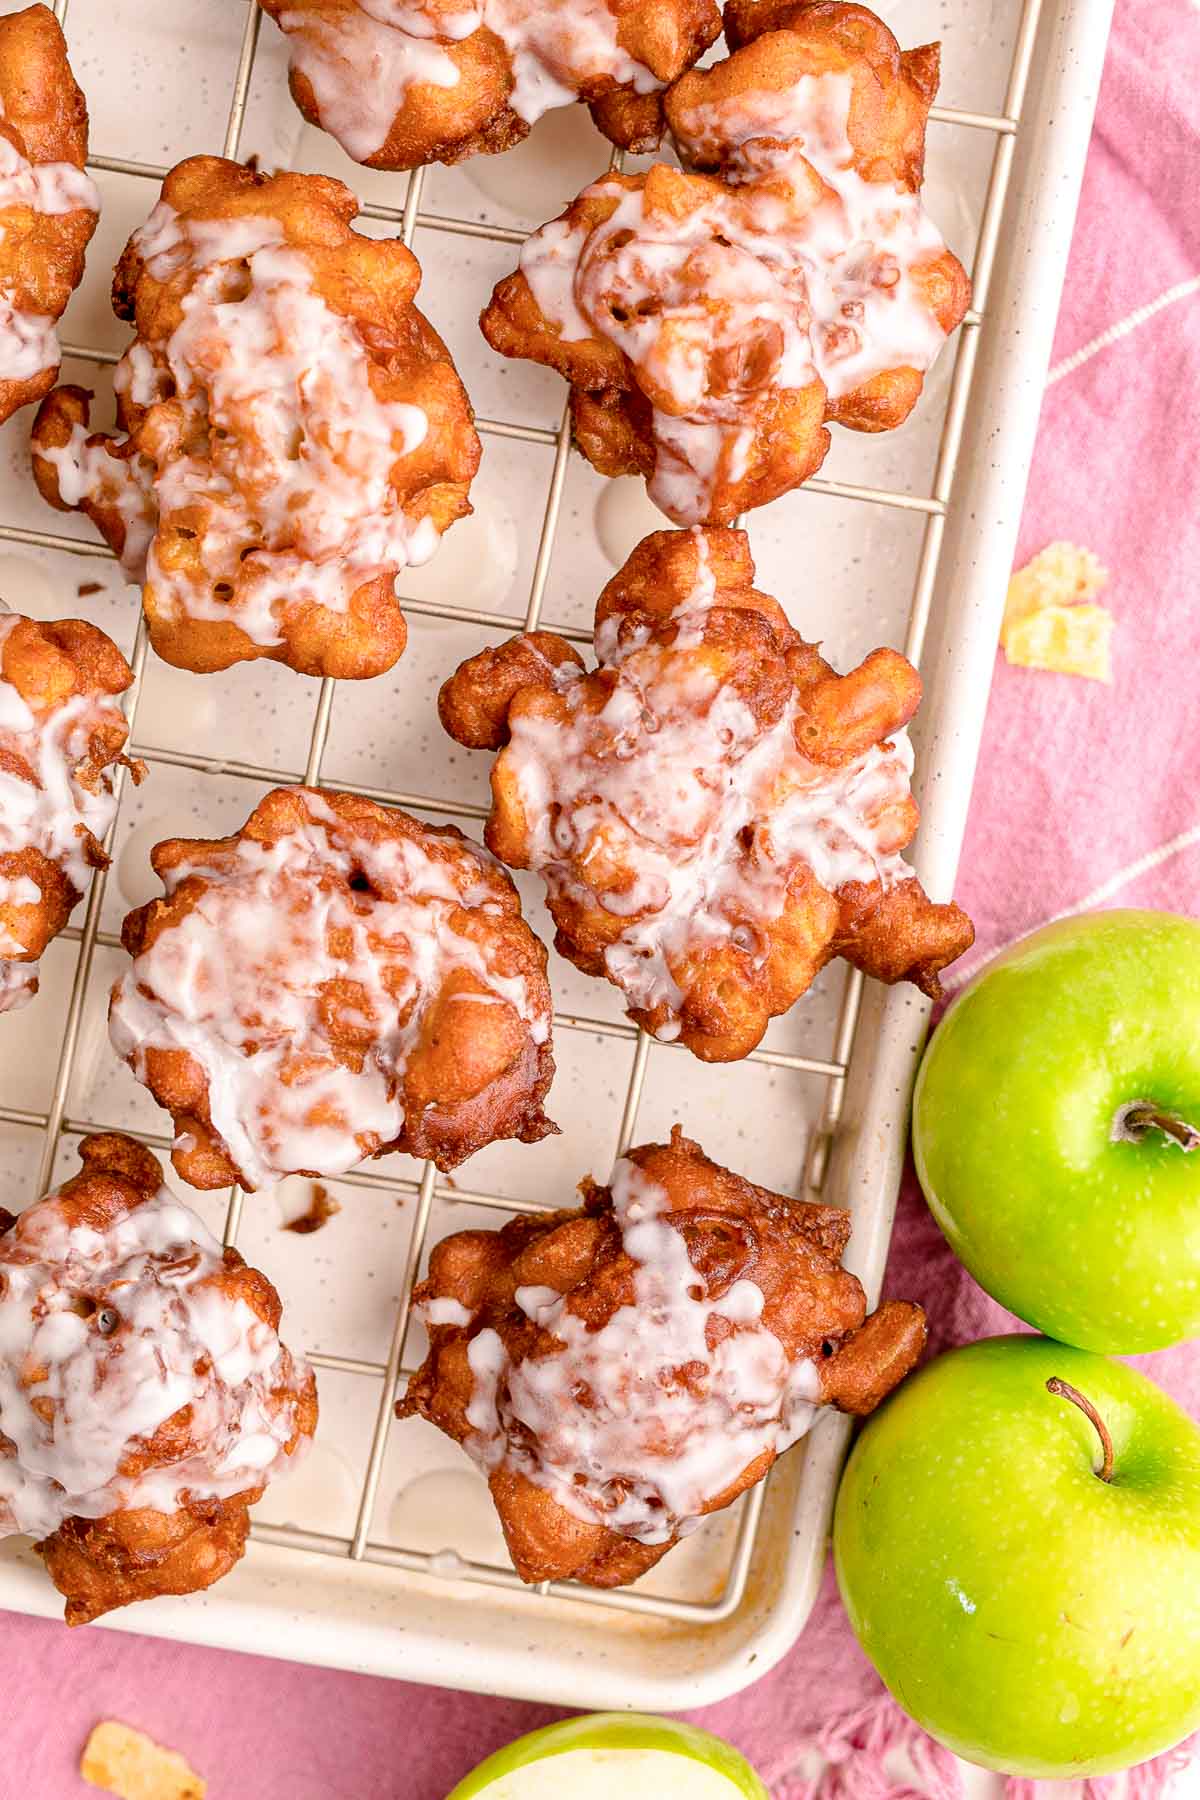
(621, 1371)
(291, 431)
(335, 981)
(61, 731)
(146, 1398)
(711, 320)
(437, 80)
(715, 812)
(48, 203)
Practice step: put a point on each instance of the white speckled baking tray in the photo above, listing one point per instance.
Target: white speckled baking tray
(382, 1554)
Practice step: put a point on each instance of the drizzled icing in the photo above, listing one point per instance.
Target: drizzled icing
(677, 812)
(640, 1425)
(86, 472)
(28, 340)
(44, 804)
(107, 1333)
(788, 270)
(283, 449)
(362, 60)
(303, 999)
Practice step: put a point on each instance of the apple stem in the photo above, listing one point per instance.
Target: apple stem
(1066, 1392)
(1140, 1116)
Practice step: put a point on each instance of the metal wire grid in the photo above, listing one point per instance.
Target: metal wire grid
(55, 1122)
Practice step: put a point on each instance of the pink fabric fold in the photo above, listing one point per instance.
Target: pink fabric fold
(1083, 792)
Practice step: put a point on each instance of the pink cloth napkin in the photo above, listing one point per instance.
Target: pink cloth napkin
(1086, 796)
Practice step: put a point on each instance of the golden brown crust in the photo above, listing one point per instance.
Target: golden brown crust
(473, 705)
(893, 88)
(782, 436)
(137, 1553)
(436, 123)
(50, 664)
(102, 1564)
(474, 1073)
(118, 1174)
(734, 1231)
(367, 281)
(43, 115)
(730, 990)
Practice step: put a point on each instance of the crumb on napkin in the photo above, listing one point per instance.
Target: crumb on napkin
(1050, 619)
(127, 1763)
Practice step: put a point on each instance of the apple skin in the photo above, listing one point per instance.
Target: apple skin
(615, 1731)
(1030, 1616)
(1095, 1242)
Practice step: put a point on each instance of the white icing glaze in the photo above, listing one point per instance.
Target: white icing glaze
(28, 340)
(667, 780)
(18, 985)
(43, 804)
(789, 270)
(653, 1446)
(284, 446)
(87, 472)
(444, 1311)
(360, 69)
(557, 49)
(111, 1332)
(53, 188)
(28, 343)
(418, 19)
(273, 952)
(362, 60)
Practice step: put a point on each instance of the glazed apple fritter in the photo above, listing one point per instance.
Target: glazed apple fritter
(714, 811)
(335, 981)
(60, 733)
(437, 80)
(712, 319)
(48, 204)
(291, 430)
(146, 1398)
(621, 1371)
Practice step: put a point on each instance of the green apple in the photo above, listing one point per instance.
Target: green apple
(1054, 1122)
(604, 1754)
(1029, 1613)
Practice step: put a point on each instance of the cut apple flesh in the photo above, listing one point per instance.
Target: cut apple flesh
(600, 1774)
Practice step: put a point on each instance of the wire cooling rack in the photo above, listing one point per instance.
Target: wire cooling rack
(55, 1122)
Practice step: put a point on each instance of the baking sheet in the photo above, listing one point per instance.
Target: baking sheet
(432, 1597)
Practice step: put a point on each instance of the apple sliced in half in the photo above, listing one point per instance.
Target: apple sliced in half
(632, 1754)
